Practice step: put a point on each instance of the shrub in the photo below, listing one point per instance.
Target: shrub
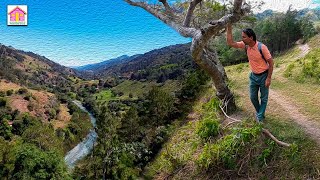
(22, 90)
(28, 97)
(288, 71)
(30, 106)
(3, 102)
(10, 92)
(207, 128)
(227, 151)
(120, 93)
(2, 94)
(312, 68)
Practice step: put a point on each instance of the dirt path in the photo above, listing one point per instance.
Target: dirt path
(311, 128)
(304, 50)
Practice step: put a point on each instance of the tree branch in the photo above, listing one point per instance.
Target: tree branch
(213, 28)
(265, 131)
(237, 6)
(167, 7)
(192, 6)
(183, 31)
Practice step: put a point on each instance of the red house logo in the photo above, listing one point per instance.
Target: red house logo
(17, 15)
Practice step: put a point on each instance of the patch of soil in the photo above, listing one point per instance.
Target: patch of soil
(17, 102)
(311, 128)
(63, 118)
(7, 85)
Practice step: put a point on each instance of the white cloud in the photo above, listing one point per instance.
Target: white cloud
(283, 5)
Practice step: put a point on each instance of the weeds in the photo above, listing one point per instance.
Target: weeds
(228, 151)
(208, 128)
(288, 71)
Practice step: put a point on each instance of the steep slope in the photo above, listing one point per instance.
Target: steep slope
(240, 151)
(30, 83)
(32, 70)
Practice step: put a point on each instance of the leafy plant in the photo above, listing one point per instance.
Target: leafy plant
(226, 151)
(208, 128)
(288, 71)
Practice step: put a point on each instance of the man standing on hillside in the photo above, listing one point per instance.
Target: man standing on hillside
(261, 65)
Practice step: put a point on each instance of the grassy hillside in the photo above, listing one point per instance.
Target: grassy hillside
(40, 104)
(34, 71)
(202, 148)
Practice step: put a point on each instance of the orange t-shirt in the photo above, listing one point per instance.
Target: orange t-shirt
(256, 62)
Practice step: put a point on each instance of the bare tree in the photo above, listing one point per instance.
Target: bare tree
(180, 20)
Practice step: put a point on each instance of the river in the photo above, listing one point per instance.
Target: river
(83, 148)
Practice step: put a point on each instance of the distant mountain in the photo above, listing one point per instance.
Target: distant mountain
(103, 64)
(32, 70)
(168, 62)
(264, 14)
(314, 14)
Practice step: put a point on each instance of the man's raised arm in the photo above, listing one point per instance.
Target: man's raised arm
(230, 41)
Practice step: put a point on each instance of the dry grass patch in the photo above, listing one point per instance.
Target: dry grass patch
(63, 117)
(17, 102)
(7, 85)
(41, 96)
(34, 64)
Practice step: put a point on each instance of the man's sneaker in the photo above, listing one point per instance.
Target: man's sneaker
(259, 120)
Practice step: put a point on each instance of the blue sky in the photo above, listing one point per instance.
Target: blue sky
(82, 32)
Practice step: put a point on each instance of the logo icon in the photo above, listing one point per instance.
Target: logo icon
(17, 15)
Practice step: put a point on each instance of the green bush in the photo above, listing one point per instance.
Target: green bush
(2, 94)
(3, 102)
(33, 163)
(10, 92)
(28, 96)
(22, 90)
(5, 129)
(312, 67)
(266, 153)
(288, 71)
(207, 128)
(227, 151)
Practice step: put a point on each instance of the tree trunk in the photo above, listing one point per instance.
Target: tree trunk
(208, 60)
(204, 57)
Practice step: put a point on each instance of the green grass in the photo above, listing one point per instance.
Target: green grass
(302, 95)
(139, 89)
(136, 88)
(104, 96)
(181, 148)
(180, 155)
(314, 41)
(287, 56)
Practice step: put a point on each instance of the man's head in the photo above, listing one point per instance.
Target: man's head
(248, 36)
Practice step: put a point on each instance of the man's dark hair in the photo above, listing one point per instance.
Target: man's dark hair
(250, 33)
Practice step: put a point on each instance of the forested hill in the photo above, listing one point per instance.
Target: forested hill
(33, 70)
(103, 64)
(175, 58)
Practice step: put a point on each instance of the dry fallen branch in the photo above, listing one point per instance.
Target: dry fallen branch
(233, 119)
(265, 131)
(222, 109)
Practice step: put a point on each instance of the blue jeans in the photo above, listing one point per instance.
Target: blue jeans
(258, 82)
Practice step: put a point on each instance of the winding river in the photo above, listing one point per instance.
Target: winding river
(84, 147)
